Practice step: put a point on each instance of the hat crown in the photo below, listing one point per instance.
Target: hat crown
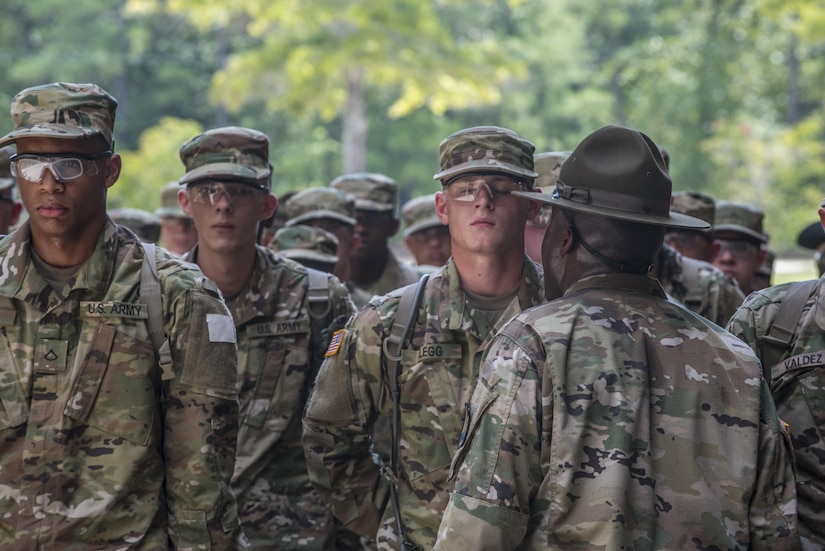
(231, 152)
(63, 110)
(419, 214)
(548, 166)
(372, 190)
(617, 168)
(306, 243)
(485, 149)
(733, 216)
(692, 203)
(321, 202)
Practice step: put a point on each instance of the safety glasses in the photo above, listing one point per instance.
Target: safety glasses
(209, 193)
(64, 167)
(468, 190)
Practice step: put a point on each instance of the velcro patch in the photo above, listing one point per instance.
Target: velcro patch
(335, 343)
(221, 328)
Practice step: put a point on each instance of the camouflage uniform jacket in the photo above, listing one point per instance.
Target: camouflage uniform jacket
(613, 419)
(797, 382)
(438, 372)
(699, 285)
(98, 451)
(396, 274)
(278, 506)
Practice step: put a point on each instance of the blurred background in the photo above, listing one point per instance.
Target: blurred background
(731, 88)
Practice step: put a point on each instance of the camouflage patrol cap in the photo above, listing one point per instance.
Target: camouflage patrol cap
(62, 110)
(6, 179)
(231, 152)
(740, 218)
(548, 166)
(693, 203)
(306, 243)
(419, 214)
(145, 224)
(618, 173)
(169, 204)
(485, 150)
(372, 191)
(812, 237)
(320, 202)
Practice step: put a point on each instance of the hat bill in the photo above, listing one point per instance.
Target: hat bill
(316, 214)
(736, 228)
(229, 171)
(308, 254)
(491, 166)
(673, 220)
(365, 204)
(432, 222)
(59, 131)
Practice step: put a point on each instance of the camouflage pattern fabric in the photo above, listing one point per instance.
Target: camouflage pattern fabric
(278, 507)
(438, 373)
(699, 285)
(396, 274)
(614, 419)
(97, 450)
(797, 382)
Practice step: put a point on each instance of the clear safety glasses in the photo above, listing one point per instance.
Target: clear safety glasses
(209, 193)
(64, 167)
(468, 190)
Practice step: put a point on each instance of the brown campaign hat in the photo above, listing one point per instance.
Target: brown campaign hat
(618, 173)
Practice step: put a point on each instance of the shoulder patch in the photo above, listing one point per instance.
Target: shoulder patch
(334, 343)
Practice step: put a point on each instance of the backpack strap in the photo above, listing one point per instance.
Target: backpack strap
(318, 294)
(150, 292)
(783, 329)
(393, 345)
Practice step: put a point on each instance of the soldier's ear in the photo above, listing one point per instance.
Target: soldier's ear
(183, 199)
(270, 206)
(441, 208)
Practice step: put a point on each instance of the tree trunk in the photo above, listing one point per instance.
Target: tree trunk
(355, 124)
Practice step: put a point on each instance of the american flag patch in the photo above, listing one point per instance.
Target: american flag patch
(334, 343)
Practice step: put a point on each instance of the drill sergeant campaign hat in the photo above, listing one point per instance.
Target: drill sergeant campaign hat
(486, 150)
(169, 204)
(229, 153)
(6, 179)
(419, 214)
(320, 202)
(306, 243)
(62, 110)
(618, 173)
(372, 191)
(740, 218)
(693, 203)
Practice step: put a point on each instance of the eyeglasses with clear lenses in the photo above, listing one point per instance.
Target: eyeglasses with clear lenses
(738, 248)
(467, 190)
(238, 193)
(63, 166)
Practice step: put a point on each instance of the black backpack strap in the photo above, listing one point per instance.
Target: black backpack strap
(778, 338)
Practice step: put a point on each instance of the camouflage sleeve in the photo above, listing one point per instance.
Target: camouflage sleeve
(338, 421)
(743, 325)
(500, 466)
(201, 420)
(772, 514)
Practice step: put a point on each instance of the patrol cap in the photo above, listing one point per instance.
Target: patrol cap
(372, 191)
(62, 110)
(169, 204)
(6, 179)
(320, 202)
(145, 224)
(693, 203)
(618, 173)
(548, 166)
(812, 237)
(306, 243)
(485, 150)
(231, 152)
(419, 214)
(740, 218)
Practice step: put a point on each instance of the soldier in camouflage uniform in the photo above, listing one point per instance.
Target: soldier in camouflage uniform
(101, 447)
(373, 266)
(10, 207)
(332, 210)
(424, 235)
(612, 418)
(487, 281)
(280, 329)
(313, 247)
(741, 243)
(693, 243)
(795, 373)
(177, 232)
(143, 224)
